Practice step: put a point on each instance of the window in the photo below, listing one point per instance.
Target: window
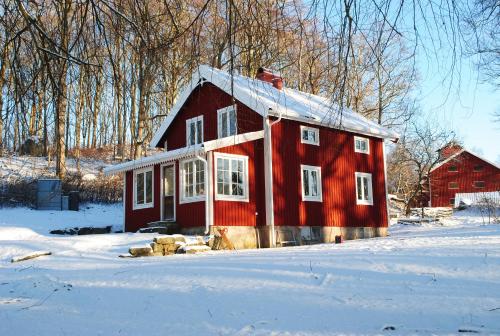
(479, 184)
(226, 121)
(309, 135)
(364, 194)
(478, 168)
(361, 145)
(311, 183)
(192, 181)
(143, 188)
(452, 168)
(453, 185)
(452, 201)
(194, 131)
(232, 177)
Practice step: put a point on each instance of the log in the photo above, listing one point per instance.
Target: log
(31, 256)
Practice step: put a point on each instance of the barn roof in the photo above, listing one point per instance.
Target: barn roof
(451, 157)
(266, 100)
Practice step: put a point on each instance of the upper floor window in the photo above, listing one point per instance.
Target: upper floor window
(479, 184)
(232, 177)
(311, 183)
(452, 168)
(143, 188)
(192, 180)
(226, 121)
(194, 131)
(309, 135)
(361, 145)
(453, 185)
(478, 168)
(364, 192)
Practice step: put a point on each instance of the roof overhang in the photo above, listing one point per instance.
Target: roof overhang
(185, 152)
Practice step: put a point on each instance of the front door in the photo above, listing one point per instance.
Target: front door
(169, 193)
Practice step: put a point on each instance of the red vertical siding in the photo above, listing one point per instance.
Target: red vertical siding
(187, 214)
(206, 100)
(465, 177)
(338, 163)
(135, 219)
(249, 213)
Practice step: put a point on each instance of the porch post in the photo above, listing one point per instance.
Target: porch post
(268, 181)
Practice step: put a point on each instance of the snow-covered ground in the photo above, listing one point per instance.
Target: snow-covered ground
(432, 280)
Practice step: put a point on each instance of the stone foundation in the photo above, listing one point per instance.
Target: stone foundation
(246, 237)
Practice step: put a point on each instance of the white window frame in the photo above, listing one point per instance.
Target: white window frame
(227, 121)
(198, 198)
(367, 140)
(309, 129)
(319, 197)
(363, 201)
(188, 127)
(144, 205)
(235, 198)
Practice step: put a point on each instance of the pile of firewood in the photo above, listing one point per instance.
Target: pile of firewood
(433, 212)
(170, 244)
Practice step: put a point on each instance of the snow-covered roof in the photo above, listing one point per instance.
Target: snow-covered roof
(266, 100)
(184, 152)
(451, 157)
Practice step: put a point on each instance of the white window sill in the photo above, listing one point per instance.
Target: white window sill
(143, 206)
(307, 142)
(192, 199)
(360, 202)
(231, 198)
(312, 199)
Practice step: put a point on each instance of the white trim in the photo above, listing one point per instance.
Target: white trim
(367, 140)
(124, 198)
(319, 197)
(370, 188)
(309, 129)
(184, 152)
(460, 152)
(235, 198)
(197, 198)
(246, 90)
(228, 123)
(162, 192)
(386, 187)
(188, 127)
(210, 189)
(136, 206)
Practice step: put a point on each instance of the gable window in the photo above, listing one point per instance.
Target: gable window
(143, 188)
(479, 184)
(226, 121)
(478, 168)
(453, 185)
(192, 181)
(194, 131)
(364, 192)
(309, 135)
(361, 145)
(232, 177)
(311, 183)
(452, 168)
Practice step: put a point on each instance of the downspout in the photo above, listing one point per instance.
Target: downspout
(268, 174)
(385, 183)
(206, 184)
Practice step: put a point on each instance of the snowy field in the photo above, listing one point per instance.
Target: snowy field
(434, 280)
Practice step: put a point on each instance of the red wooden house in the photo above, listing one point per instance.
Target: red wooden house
(461, 171)
(263, 161)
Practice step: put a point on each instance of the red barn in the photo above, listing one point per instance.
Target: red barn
(461, 171)
(266, 162)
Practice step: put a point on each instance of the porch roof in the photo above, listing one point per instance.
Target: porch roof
(184, 152)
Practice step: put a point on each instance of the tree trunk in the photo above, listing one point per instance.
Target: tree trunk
(3, 68)
(78, 117)
(97, 102)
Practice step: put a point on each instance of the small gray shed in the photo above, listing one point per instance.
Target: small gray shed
(48, 194)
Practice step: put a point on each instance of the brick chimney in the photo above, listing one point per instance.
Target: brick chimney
(267, 75)
(449, 150)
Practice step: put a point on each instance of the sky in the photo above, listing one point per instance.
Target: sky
(467, 107)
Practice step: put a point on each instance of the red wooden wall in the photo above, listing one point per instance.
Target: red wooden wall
(206, 100)
(338, 163)
(441, 194)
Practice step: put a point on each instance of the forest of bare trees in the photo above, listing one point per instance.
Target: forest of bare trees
(80, 74)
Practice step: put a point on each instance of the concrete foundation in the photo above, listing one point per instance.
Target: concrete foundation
(247, 237)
